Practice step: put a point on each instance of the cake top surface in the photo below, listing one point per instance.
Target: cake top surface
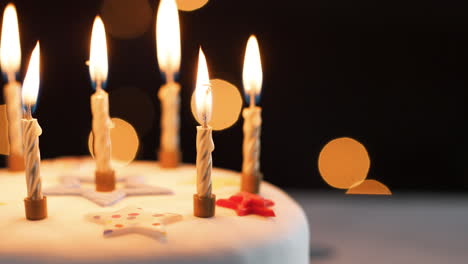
(68, 234)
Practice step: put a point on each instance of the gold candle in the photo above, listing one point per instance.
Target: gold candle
(204, 200)
(252, 81)
(10, 59)
(98, 68)
(168, 52)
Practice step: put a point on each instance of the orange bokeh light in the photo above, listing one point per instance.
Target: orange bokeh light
(125, 143)
(190, 5)
(343, 162)
(227, 101)
(370, 187)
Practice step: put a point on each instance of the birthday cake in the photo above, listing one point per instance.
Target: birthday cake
(149, 221)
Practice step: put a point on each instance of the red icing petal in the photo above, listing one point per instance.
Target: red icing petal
(226, 203)
(116, 216)
(247, 203)
(236, 198)
(269, 203)
(133, 214)
(119, 226)
(253, 202)
(241, 211)
(262, 211)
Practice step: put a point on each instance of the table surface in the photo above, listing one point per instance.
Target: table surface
(403, 228)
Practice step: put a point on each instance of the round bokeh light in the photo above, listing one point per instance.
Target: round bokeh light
(227, 104)
(190, 5)
(126, 19)
(369, 187)
(343, 162)
(124, 140)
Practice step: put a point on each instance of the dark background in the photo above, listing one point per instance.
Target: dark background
(390, 74)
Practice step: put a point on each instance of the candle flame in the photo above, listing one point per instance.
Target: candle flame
(10, 49)
(168, 38)
(203, 96)
(252, 73)
(98, 66)
(31, 80)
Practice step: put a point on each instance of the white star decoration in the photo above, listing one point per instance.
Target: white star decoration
(133, 219)
(133, 185)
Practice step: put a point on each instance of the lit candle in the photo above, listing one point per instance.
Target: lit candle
(168, 51)
(10, 59)
(252, 81)
(104, 175)
(204, 200)
(35, 203)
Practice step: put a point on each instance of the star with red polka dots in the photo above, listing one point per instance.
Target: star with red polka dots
(133, 219)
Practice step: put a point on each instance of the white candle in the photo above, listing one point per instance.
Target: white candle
(101, 130)
(31, 128)
(12, 97)
(32, 157)
(205, 145)
(10, 59)
(170, 120)
(251, 144)
(168, 52)
(252, 81)
(101, 123)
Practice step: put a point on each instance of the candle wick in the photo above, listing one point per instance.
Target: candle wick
(252, 99)
(204, 123)
(169, 77)
(98, 85)
(28, 112)
(11, 77)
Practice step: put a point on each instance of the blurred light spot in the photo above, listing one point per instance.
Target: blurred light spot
(227, 104)
(124, 140)
(343, 162)
(135, 106)
(372, 187)
(190, 5)
(2, 204)
(126, 18)
(4, 144)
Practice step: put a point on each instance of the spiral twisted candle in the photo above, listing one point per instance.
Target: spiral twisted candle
(31, 133)
(251, 144)
(170, 121)
(13, 102)
(205, 146)
(101, 130)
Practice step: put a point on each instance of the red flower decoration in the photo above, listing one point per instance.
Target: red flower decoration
(247, 203)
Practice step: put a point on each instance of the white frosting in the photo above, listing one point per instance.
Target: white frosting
(67, 237)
